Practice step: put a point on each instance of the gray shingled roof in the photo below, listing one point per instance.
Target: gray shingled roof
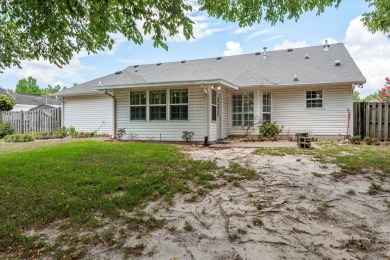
(278, 69)
(30, 100)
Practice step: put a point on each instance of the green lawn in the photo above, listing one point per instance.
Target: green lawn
(80, 179)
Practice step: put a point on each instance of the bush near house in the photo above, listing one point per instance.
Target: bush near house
(269, 131)
(80, 134)
(49, 135)
(18, 138)
(5, 129)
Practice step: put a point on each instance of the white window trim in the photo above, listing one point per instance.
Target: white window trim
(214, 105)
(180, 104)
(262, 106)
(168, 105)
(314, 108)
(231, 108)
(146, 105)
(158, 105)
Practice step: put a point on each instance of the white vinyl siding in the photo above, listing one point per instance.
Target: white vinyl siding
(289, 110)
(168, 130)
(88, 113)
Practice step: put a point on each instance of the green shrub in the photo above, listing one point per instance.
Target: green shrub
(51, 135)
(355, 139)
(370, 140)
(82, 134)
(120, 132)
(187, 136)
(18, 138)
(5, 129)
(269, 131)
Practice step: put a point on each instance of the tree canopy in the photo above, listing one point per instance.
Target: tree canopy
(29, 86)
(55, 30)
(6, 103)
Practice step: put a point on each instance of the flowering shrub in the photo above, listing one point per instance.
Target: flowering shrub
(384, 93)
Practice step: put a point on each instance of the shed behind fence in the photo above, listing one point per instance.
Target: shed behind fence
(29, 122)
(372, 119)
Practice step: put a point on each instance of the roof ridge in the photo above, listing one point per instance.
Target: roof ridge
(263, 78)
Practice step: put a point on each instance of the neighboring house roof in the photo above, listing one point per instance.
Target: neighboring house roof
(31, 100)
(278, 69)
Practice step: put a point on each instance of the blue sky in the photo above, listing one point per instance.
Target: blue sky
(217, 38)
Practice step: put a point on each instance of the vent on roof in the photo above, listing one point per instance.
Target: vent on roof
(326, 46)
(337, 62)
(307, 56)
(265, 53)
(258, 53)
(296, 78)
(136, 69)
(289, 50)
(135, 66)
(183, 61)
(218, 58)
(158, 64)
(118, 72)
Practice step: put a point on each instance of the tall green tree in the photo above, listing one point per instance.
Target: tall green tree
(371, 97)
(356, 96)
(51, 90)
(55, 30)
(6, 103)
(28, 87)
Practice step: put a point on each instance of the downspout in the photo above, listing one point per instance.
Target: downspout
(208, 112)
(113, 112)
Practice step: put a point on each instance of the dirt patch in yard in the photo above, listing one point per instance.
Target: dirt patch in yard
(293, 209)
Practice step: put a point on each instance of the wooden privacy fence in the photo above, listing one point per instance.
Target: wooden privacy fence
(372, 119)
(29, 122)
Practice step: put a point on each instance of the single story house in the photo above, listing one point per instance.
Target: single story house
(27, 102)
(304, 90)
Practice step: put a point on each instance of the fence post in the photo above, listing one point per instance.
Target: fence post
(386, 126)
(22, 122)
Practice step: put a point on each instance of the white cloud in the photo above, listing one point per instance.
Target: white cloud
(273, 37)
(129, 61)
(47, 73)
(258, 33)
(243, 30)
(287, 44)
(371, 53)
(233, 48)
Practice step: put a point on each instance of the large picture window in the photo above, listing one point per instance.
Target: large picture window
(179, 104)
(138, 105)
(266, 107)
(157, 105)
(314, 99)
(242, 114)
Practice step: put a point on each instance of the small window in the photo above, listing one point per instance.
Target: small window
(266, 107)
(214, 105)
(138, 105)
(157, 105)
(314, 99)
(179, 104)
